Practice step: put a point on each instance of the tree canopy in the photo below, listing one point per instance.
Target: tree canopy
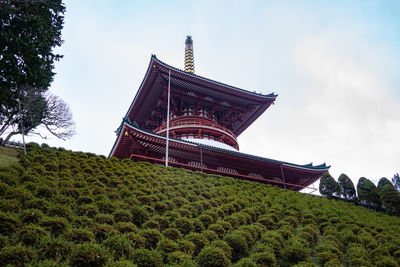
(328, 186)
(368, 192)
(382, 182)
(390, 198)
(346, 187)
(396, 182)
(29, 31)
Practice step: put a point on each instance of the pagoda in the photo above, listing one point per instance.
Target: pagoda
(201, 128)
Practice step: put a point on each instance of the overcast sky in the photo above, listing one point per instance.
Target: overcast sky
(334, 64)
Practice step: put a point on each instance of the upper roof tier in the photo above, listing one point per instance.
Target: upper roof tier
(150, 97)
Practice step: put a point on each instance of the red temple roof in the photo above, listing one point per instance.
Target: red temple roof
(156, 78)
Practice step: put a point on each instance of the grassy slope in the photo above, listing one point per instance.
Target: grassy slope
(71, 208)
(8, 156)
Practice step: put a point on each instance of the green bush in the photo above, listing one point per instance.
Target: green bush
(57, 249)
(119, 246)
(265, 258)
(198, 239)
(184, 225)
(294, 251)
(88, 254)
(16, 255)
(178, 258)
(152, 237)
(172, 234)
(121, 215)
(56, 225)
(147, 258)
(31, 234)
(139, 215)
(77, 235)
(238, 244)
(104, 219)
(212, 257)
(8, 223)
(126, 227)
(245, 262)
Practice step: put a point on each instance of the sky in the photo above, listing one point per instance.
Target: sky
(334, 65)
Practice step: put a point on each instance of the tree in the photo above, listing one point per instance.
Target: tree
(368, 192)
(328, 186)
(396, 182)
(382, 182)
(29, 30)
(390, 198)
(346, 187)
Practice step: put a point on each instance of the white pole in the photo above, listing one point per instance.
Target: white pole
(169, 93)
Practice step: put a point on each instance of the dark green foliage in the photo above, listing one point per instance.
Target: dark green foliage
(213, 257)
(88, 254)
(8, 223)
(147, 258)
(266, 258)
(294, 251)
(382, 182)
(328, 186)
(346, 188)
(238, 244)
(368, 192)
(16, 255)
(98, 219)
(120, 246)
(31, 234)
(390, 198)
(396, 182)
(199, 240)
(184, 225)
(152, 237)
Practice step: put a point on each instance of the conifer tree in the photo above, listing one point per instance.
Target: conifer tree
(346, 188)
(328, 186)
(368, 193)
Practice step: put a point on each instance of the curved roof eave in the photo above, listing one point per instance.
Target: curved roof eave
(308, 167)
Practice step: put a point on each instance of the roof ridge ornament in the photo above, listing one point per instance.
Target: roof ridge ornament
(189, 58)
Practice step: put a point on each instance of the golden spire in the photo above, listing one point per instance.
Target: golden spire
(189, 59)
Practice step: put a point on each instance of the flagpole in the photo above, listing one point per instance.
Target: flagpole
(169, 93)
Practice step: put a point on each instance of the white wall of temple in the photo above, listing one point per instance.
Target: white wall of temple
(211, 143)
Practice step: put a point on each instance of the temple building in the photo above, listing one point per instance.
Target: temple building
(201, 128)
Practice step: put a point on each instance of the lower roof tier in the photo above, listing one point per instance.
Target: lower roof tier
(141, 145)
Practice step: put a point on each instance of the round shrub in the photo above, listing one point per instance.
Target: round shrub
(147, 258)
(56, 225)
(245, 262)
(172, 234)
(126, 227)
(30, 235)
(238, 244)
(265, 258)
(184, 225)
(213, 257)
(224, 246)
(104, 219)
(120, 246)
(89, 210)
(206, 219)
(151, 224)
(121, 215)
(198, 239)
(138, 240)
(186, 247)
(178, 258)
(210, 235)
(167, 246)
(88, 254)
(55, 248)
(16, 255)
(101, 231)
(218, 229)
(78, 235)
(152, 237)
(8, 223)
(295, 251)
(139, 215)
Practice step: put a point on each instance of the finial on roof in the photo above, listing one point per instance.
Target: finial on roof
(189, 59)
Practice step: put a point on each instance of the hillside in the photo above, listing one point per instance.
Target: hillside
(61, 208)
